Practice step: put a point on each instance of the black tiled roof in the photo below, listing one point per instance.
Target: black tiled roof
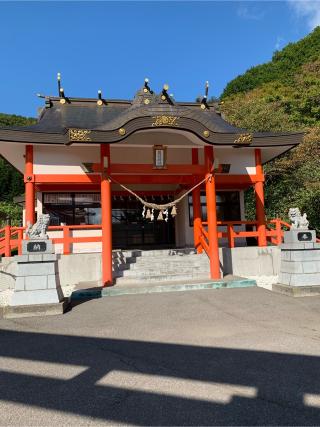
(104, 121)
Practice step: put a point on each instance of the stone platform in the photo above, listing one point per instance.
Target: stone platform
(300, 259)
(37, 290)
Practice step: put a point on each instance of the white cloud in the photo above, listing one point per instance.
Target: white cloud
(308, 9)
(246, 12)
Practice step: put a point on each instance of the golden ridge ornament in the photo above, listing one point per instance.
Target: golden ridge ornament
(165, 121)
(80, 135)
(244, 139)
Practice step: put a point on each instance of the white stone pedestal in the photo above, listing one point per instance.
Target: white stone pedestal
(300, 259)
(37, 279)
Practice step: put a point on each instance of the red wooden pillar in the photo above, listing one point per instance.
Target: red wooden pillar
(106, 217)
(29, 186)
(196, 206)
(212, 215)
(259, 195)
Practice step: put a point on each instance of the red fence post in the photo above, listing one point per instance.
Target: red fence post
(7, 247)
(230, 235)
(20, 237)
(278, 231)
(66, 240)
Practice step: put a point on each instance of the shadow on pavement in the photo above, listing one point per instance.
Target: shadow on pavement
(281, 381)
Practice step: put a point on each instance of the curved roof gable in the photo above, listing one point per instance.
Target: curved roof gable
(111, 121)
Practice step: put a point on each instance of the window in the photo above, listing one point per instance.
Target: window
(228, 206)
(72, 208)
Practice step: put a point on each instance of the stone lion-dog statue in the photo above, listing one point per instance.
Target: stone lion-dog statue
(298, 220)
(39, 229)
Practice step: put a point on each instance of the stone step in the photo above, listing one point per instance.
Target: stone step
(154, 253)
(165, 267)
(163, 271)
(151, 279)
(163, 260)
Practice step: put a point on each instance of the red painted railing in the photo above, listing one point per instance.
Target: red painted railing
(275, 231)
(11, 237)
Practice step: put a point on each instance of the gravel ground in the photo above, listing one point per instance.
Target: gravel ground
(210, 357)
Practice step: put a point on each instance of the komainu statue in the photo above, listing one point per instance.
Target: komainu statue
(39, 229)
(298, 221)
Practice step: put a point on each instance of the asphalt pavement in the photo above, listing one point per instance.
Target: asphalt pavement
(209, 357)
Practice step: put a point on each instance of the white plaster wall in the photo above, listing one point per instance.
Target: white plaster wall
(242, 160)
(144, 155)
(89, 247)
(14, 154)
(63, 160)
(68, 160)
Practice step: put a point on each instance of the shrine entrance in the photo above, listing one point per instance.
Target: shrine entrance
(131, 231)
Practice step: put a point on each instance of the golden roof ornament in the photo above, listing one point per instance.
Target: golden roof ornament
(244, 139)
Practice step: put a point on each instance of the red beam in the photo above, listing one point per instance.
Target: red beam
(236, 181)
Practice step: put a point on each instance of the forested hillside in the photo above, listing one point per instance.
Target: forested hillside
(11, 182)
(284, 95)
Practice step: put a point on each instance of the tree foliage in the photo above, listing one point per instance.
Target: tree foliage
(284, 65)
(284, 97)
(11, 181)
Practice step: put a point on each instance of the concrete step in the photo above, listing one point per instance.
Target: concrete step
(161, 266)
(159, 278)
(154, 253)
(164, 271)
(186, 258)
(145, 287)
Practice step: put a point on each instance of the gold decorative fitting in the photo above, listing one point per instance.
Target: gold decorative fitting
(166, 87)
(244, 139)
(147, 101)
(122, 131)
(145, 90)
(62, 101)
(81, 135)
(203, 107)
(99, 102)
(165, 121)
(206, 133)
(163, 97)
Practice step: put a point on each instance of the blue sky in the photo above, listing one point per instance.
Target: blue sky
(113, 46)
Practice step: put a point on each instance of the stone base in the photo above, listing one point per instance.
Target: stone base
(9, 312)
(300, 259)
(298, 235)
(41, 296)
(37, 280)
(296, 291)
(37, 246)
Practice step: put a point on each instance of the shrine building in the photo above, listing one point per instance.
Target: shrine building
(86, 160)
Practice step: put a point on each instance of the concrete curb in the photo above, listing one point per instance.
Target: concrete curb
(296, 291)
(33, 310)
(177, 287)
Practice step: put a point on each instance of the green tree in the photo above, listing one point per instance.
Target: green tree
(11, 181)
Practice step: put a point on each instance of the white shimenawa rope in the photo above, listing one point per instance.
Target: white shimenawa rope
(164, 206)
